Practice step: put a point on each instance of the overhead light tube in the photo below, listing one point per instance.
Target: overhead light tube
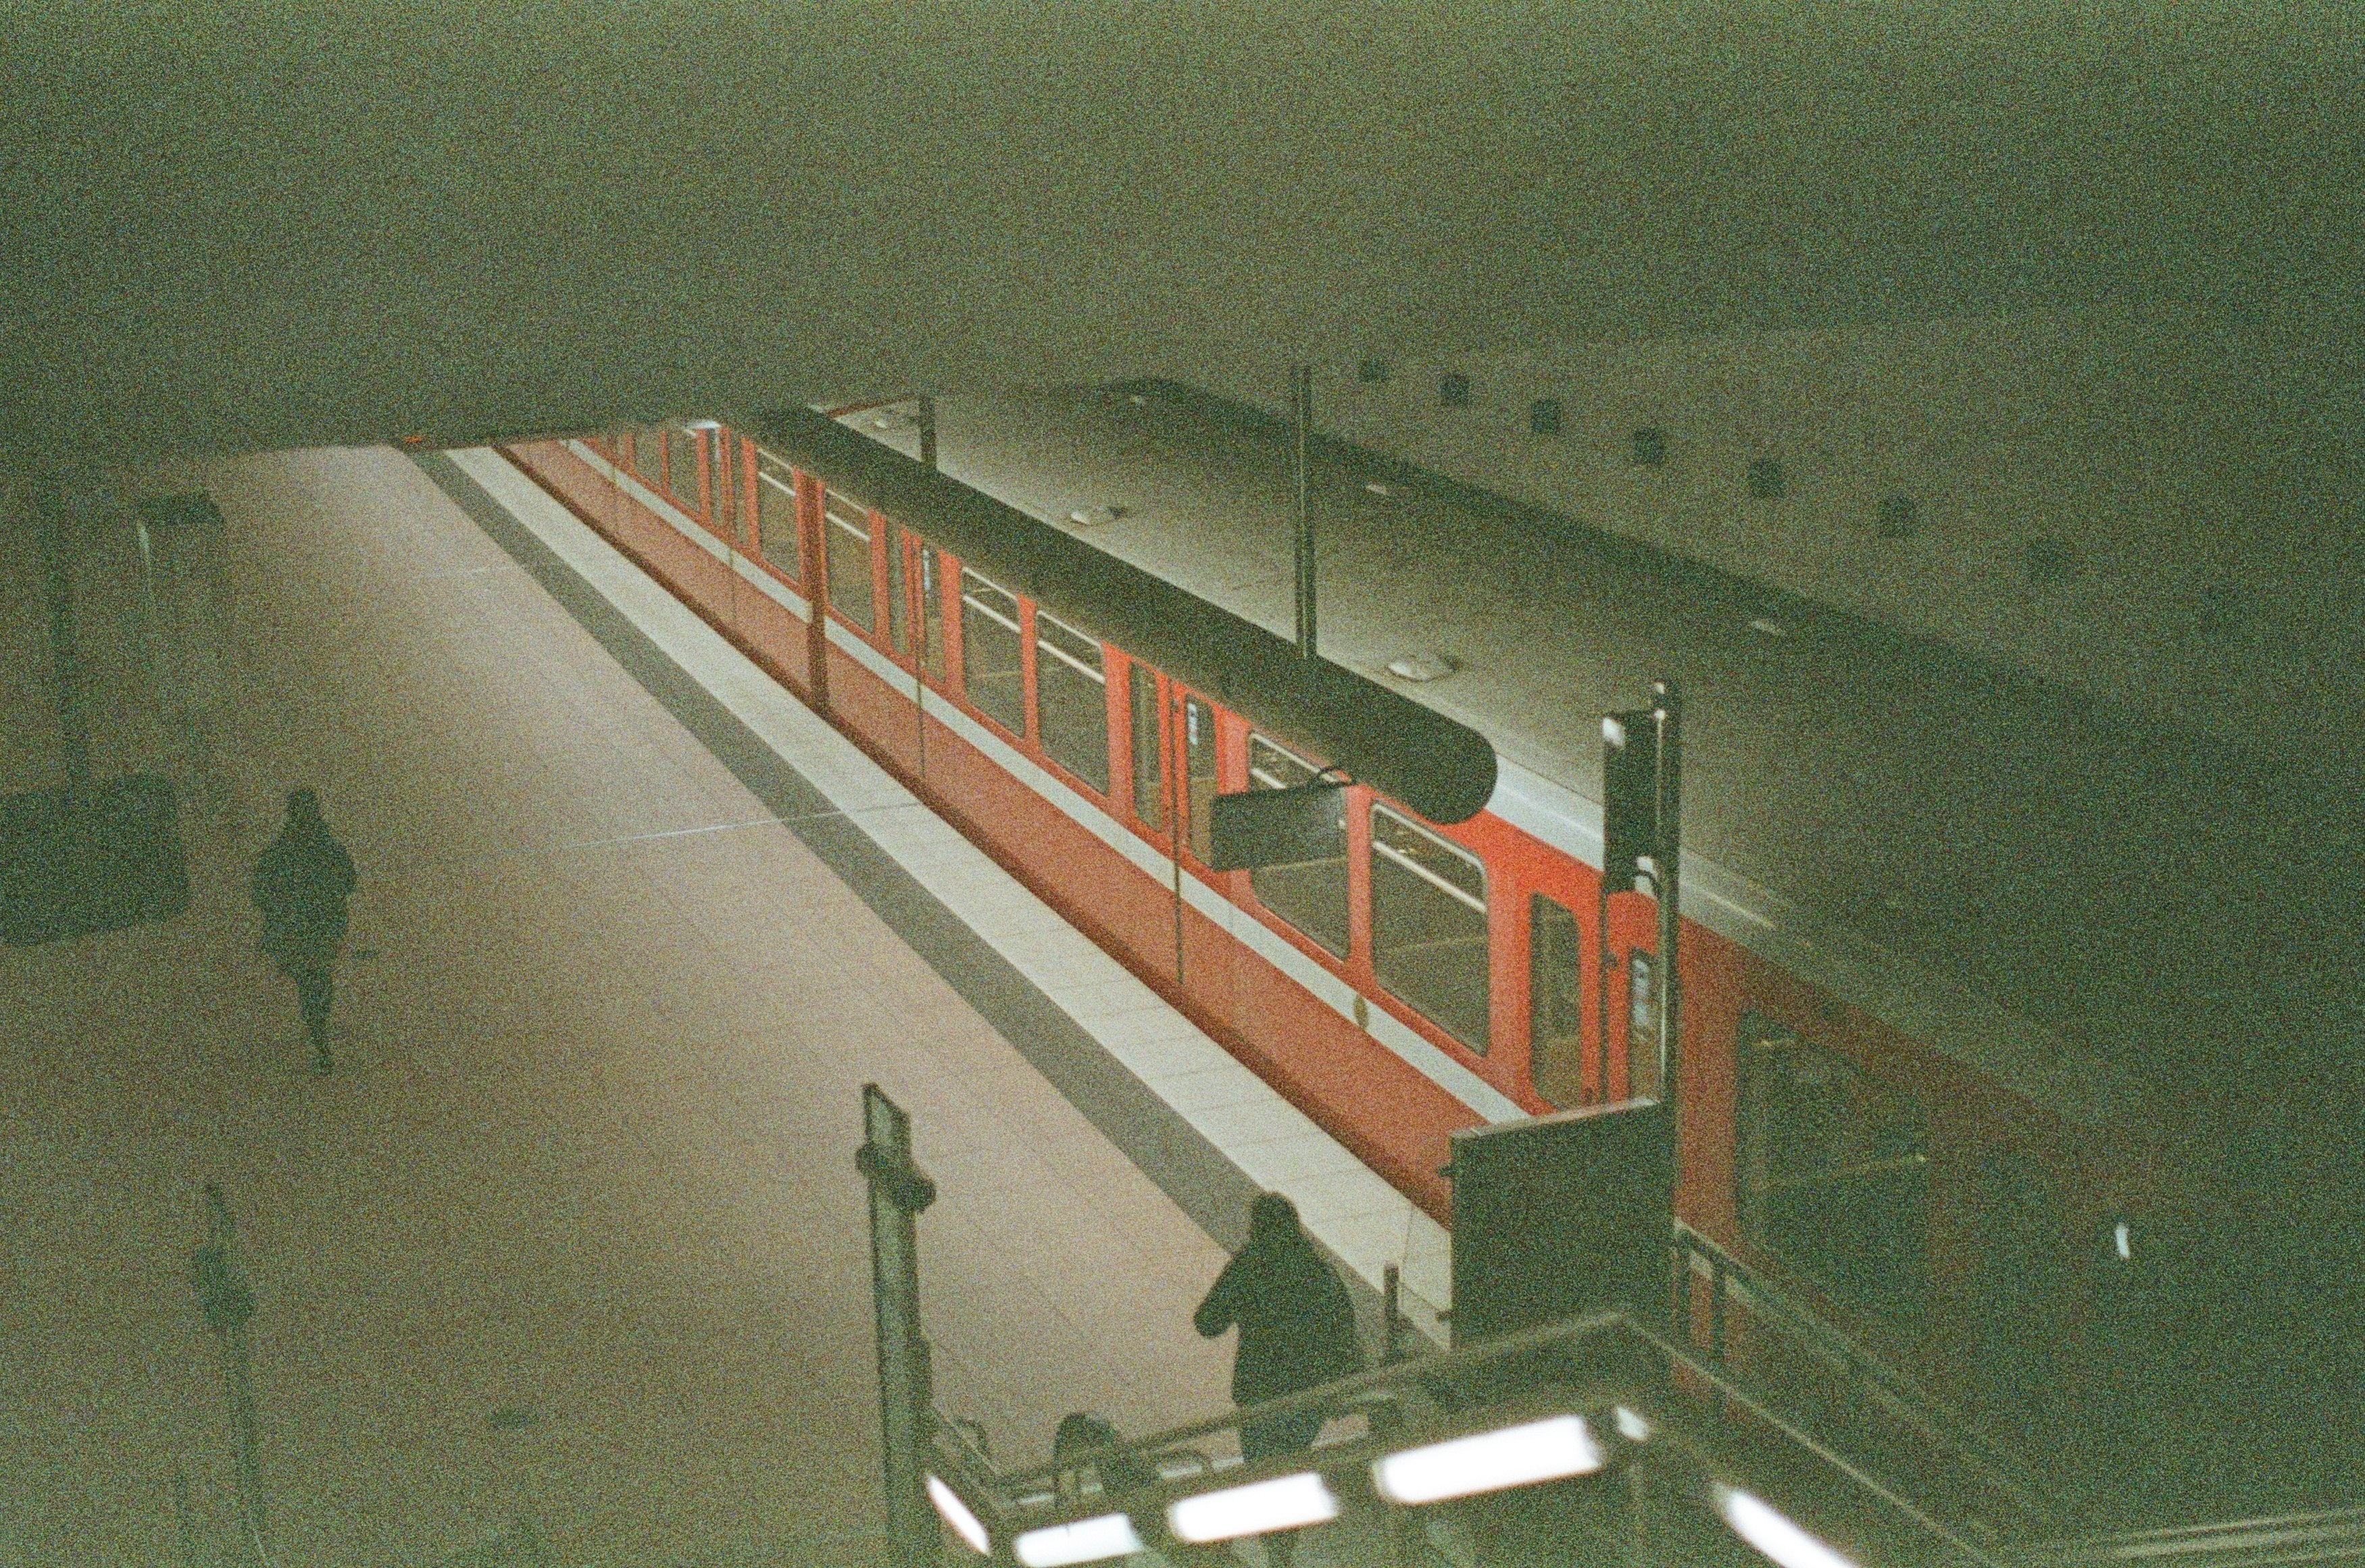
(1490, 1461)
(956, 1514)
(1289, 1502)
(1080, 1541)
(1762, 1526)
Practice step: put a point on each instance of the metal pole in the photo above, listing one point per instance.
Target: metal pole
(222, 1292)
(899, 1191)
(1301, 408)
(928, 433)
(1601, 988)
(57, 562)
(1666, 708)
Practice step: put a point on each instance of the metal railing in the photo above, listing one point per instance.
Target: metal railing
(1672, 1435)
(1887, 1420)
(2333, 1537)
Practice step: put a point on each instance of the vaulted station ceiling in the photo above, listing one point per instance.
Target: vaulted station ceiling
(272, 225)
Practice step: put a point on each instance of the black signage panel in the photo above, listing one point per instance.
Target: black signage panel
(1560, 1216)
(1276, 827)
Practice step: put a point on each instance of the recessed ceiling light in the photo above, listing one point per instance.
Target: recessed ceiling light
(1425, 665)
(1769, 626)
(1383, 491)
(1095, 517)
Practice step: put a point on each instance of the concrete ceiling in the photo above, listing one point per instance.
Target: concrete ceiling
(297, 224)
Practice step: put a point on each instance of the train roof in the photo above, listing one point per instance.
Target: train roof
(1964, 849)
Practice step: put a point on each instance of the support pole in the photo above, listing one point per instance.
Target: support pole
(57, 567)
(222, 1292)
(899, 1191)
(928, 433)
(1666, 708)
(1301, 408)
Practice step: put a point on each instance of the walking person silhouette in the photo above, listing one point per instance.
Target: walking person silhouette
(301, 883)
(1298, 1329)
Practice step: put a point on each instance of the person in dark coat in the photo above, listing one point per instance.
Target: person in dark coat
(301, 884)
(1298, 1328)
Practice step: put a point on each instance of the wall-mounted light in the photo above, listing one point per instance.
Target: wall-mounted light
(956, 1514)
(1289, 1502)
(1762, 1526)
(1084, 1541)
(1533, 1452)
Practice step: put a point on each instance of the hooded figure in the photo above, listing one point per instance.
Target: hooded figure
(301, 884)
(1298, 1328)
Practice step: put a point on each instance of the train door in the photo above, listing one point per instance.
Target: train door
(1172, 746)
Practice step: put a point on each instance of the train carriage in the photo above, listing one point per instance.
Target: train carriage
(1931, 1168)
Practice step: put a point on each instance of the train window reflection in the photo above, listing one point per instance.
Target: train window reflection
(846, 526)
(1149, 776)
(648, 461)
(1555, 1003)
(775, 513)
(1072, 700)
(991, 669)
(1429, 927)
(723, 472)
(1834, 1173)
(681, 465)
(1199, 769)
(1311, 895)
(899, 631)
(932, 613)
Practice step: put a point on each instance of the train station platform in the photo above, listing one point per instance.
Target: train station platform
(570, 1250)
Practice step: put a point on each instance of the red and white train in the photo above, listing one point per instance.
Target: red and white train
(1886, 1101)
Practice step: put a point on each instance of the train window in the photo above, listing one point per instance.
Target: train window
(1072, 700)
(847, 527)
(1429, 927)
(991, 662)
(1834, 1172)
(775, 513)
(1199, 769)
(725, 472)
(1149, 777)
(1555, 1003)
(899, 615)
(681, 464)
(932, 612)
(647, 459)
(1311, 895)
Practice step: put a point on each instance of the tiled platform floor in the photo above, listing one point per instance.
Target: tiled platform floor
(589, 1151)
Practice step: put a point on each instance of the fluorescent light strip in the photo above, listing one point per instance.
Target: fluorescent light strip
(1085, 1540)
(1288, 1503)
(956, 1513)
(1490, 1461)
(1755, 1521)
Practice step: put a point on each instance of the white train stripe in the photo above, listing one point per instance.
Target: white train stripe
(1358, 1215)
